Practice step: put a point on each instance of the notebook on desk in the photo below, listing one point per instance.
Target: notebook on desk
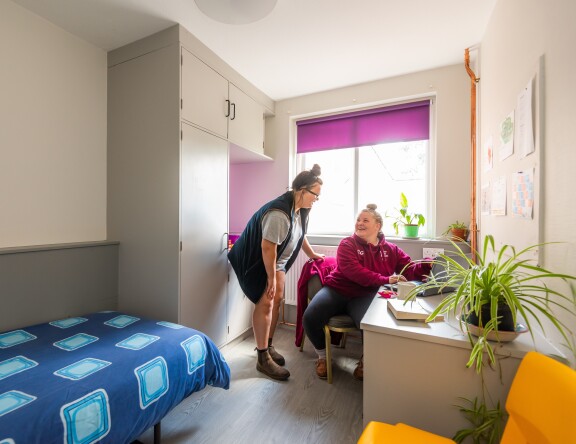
(438, 271)
(410, 310)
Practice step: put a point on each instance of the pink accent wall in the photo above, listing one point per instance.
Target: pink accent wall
(251, 186)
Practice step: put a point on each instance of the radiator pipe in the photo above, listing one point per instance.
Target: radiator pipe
(473, 224)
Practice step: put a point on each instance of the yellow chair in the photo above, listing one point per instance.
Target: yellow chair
(541, 406)
(340, 324)
(542, 403)
(379, 432)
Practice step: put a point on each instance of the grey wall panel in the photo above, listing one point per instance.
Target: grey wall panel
(55, 282)
(144, 180)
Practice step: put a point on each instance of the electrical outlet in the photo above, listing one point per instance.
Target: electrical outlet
(432, 252)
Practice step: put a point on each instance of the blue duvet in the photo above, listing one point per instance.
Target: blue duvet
(103, 377)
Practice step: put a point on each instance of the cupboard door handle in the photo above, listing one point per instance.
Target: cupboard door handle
(233, 111)
(228, 108)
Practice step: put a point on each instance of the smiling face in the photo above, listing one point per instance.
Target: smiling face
(367, 228)
(310, 195)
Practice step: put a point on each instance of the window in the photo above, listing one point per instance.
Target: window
(356, 175)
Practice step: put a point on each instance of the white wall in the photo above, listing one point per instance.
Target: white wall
(519, 32)
(451, 86)
(53, 133)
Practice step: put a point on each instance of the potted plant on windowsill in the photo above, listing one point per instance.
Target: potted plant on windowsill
(457, 231)
(403, 217)
(493, 296)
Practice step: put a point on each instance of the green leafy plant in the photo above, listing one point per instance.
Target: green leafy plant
(402, 216)
(457, 231)
(506, 279)
(487, 424)
(456, 226)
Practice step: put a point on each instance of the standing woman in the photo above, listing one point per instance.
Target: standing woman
(263, 254)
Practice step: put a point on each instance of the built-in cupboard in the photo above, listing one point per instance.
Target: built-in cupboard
(173, 113)
(210, 101)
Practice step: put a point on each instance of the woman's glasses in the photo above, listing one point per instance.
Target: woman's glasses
(312, 192)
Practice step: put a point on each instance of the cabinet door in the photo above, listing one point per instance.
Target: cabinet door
(204, 95)
(246, 124)
(204, 223)
(239, 308)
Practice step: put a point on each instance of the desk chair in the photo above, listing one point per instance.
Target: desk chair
(339, 323)
(541, 406)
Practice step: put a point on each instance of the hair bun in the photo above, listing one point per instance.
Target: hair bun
(316, 170)
(371, 206)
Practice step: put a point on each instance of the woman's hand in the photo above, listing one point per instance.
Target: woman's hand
(271, 287)
(310, 252)
(395, 278)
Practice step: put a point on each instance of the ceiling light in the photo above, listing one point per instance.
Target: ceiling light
(236, 12)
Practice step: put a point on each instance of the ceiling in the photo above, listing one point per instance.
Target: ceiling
(303, 46)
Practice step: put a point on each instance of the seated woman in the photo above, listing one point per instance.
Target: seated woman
(365, 261)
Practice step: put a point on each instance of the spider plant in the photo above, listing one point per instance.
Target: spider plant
(501, 278)
(504, 278)
(487, 424)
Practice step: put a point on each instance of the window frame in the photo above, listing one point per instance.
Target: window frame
(429, 230)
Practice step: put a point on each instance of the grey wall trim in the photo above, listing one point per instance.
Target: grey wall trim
(45, 283)
(32, 248)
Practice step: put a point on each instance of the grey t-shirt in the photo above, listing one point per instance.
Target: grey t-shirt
(275, 226)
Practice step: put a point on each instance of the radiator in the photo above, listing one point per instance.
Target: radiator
(291, 288)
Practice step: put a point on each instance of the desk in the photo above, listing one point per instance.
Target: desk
(415, 372)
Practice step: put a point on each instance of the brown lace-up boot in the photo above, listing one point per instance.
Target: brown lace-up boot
(267, 366)
(277, 357)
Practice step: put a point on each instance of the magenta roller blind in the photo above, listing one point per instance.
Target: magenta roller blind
(397, 123)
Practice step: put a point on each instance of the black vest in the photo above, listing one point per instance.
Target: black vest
(246, 255)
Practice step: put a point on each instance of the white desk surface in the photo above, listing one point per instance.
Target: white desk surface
(379, 319)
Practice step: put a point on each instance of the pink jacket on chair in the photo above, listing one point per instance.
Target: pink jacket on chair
(321, 268)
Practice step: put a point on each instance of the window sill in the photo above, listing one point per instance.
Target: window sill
(412, 247)
(334, 240)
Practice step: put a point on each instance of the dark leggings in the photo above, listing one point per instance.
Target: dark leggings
(327, 303)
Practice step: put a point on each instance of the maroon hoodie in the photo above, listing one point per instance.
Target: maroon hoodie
(362, 267)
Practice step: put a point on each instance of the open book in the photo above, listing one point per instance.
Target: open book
(410, 310)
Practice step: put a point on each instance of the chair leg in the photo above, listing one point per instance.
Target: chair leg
(343, 340)
(328, 355)
(302, 342)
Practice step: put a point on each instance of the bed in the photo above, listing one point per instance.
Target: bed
(102, 377)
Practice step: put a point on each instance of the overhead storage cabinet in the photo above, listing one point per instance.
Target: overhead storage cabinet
(210, 101)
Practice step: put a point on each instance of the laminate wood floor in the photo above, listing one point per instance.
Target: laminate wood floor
(258, 410)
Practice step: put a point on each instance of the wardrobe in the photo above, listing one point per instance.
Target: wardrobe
(174, 112)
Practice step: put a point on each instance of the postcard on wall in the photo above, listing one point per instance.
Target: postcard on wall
(507, 136)
(485, 199)
(487, 154)
(523, 194)
(523, 125)
(498, 205)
